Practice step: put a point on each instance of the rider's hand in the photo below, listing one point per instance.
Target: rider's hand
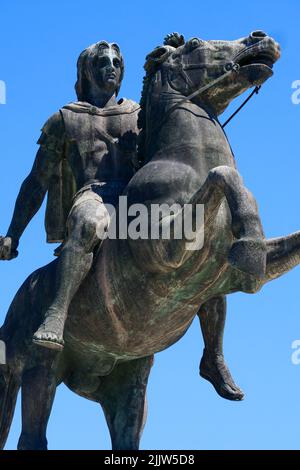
(8, 248)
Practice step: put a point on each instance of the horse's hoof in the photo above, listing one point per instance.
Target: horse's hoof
(249, 256)
(214, 369)
(48, 340)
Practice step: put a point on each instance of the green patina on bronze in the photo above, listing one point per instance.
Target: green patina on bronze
(107, 308)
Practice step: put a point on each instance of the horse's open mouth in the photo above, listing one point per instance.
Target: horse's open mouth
(264, 58)
(264, 53)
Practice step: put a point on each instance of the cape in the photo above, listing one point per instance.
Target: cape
(72, 119)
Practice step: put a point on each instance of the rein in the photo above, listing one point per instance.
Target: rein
(255, 91)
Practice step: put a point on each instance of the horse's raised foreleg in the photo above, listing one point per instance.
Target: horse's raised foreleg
(212, 316)
(38, 391)
(122, 395)
(248, 252)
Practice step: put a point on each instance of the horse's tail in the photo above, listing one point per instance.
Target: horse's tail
(9, 387)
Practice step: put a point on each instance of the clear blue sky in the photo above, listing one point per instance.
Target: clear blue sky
(39, 44)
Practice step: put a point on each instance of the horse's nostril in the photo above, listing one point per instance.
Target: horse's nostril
(258, 34)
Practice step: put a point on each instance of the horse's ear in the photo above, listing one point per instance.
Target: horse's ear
(174, 40)
(157, 57)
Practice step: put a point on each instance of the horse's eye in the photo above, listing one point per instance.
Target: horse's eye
(195, 42)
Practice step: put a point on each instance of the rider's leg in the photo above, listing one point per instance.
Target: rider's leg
(87, 224)
(213, 367)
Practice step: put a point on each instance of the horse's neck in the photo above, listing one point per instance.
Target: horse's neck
(165, 99)
(189, 126)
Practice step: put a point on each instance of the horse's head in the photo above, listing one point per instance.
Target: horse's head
(189, 65)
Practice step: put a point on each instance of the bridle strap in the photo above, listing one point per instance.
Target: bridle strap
(230, 68)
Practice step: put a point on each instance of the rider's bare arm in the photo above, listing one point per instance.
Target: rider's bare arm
(35, 186)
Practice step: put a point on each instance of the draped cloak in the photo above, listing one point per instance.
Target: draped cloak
(75, 124)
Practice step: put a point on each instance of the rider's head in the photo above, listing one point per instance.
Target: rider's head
(99, 65)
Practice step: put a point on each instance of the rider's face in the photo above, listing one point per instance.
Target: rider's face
(107, 70)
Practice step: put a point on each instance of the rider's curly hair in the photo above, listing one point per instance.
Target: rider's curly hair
(85, 63)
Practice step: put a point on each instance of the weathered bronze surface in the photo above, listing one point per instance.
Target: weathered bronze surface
(104, 309)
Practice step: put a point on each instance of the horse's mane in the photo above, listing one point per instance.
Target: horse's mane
(147, 80)
(143, 101)
(154, 60)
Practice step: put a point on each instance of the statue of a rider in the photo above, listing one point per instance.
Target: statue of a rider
(87, 155)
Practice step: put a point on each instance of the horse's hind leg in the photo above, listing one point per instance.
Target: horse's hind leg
(249, 251)
(122, 395)
(38, 391)
(213, 367)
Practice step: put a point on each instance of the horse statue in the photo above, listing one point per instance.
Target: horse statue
(142, 295)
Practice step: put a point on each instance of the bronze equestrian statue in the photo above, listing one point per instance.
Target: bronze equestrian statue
(141, 295)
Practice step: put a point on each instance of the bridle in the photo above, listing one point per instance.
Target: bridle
(229, 68)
